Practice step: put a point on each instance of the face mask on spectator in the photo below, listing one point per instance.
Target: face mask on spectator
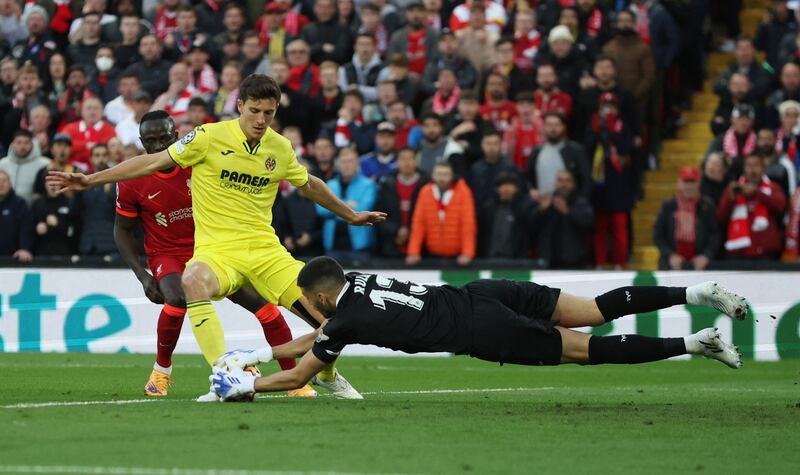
(104, 63)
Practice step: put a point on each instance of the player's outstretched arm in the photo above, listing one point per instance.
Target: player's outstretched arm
(293, 378)
(317, 191)
(142, 165)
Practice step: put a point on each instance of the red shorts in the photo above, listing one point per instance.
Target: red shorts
(165, 264)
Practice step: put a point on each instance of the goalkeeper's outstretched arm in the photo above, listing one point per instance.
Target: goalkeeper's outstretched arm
(294, 378)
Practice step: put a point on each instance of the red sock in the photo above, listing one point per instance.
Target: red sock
(169, 330)
(276, 331)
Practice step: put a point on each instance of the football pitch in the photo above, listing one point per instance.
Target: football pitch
(85, 413)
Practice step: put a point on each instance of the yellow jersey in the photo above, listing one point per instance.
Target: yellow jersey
(233, 185)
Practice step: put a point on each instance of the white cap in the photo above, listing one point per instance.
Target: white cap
(560, 32)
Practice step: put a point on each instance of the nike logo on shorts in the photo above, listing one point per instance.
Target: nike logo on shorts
(201, 322)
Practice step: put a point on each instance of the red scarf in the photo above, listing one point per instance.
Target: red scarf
(525, 49)
(442, 105)
(343, 134)
(642, 21)
(730, 146)
(614, 126)
(595, 22)
(739, 227)
(685, 224)
(793, 228)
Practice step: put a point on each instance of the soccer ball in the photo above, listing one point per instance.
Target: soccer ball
(255, 372)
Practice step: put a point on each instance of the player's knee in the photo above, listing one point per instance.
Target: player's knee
(195, 284)
(574, 346)
(175, 299)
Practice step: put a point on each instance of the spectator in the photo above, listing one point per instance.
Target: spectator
(294, 21)
(362, 72)
(346, 15)
(495, 15)
(562, 225)
(657, 27)
(584, 42)
(108, 22)
(549, 98)
(329, 40)
(349, 243)
(322, 159)
(389, 16)
(777, 24)
(12, 28)
(407, 130)
(555, 154)
(397, 196)
(253, 59)
(127, 50)
(445, 99)
(39, 46)
(524, 133)
(477, 40)
(176, 100)
(69, 105)
(328, 103)
(166, 21)
(443, 219)
(504, 220)
(435, 16)
(8, 75)
(294, 107)
(380, 163)
(605, 82)
(272, 32)
(95, 211)
(40, 126)
(416, 41)
(201, 75)
(570, 64)
(303, 74)
(633, 58)
(497, 109)
(233, 22)
(738, 93)
(436, 147)
(527, 40)
(686, 231)
(406, 84)
(52, 215)
(152, 71)
(22, 164)
(122, 106)
(466, 126)
(28, 95)
(610, 139)
(371, 25)
(448, 57)
(715, 177)
(379, 111)
(786, 138)
(516, 79)
(56, 81)
(180, 41)
(491, 165)
(778, 168)
(128, 129)
(745, 62)
(350, 126)
(297, 224)
(789, 90)
(16, 240)
(738, 141)
(104, 82)
(88, 132)
(223, 102)
(750, 212)
(85, 43)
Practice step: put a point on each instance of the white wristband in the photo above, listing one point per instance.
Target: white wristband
(264, 355)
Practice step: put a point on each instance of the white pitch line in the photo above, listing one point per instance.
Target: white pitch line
(97, 470)
(36, 405)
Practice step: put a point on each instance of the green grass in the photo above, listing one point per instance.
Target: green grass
(672, 417)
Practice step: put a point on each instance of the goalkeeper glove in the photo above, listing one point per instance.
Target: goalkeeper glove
(244, 358)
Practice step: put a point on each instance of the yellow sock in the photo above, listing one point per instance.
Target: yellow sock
(207, 329)
(328, 374)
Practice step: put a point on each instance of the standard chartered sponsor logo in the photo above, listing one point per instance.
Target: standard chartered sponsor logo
(180, 214)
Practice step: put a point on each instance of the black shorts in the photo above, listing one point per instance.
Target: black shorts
(513, 322)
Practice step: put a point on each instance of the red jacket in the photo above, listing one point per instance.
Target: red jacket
(764, 242)
(84, 138)
(448, 234)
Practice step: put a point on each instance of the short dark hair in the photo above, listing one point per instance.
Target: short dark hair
(431, 115)
(128, 74)
(154, 115)
(605, 57)
(371, 7)
(406, 148)
(627, 12)
(321, 273)
(198, 102)
(352, 93)
(490, 130)
(78, 68)
(469, 95)
(22, 133)
(259, 86)
(364, 35)
(557, 115)
(186, 8)
(525, 96)
(503, 40)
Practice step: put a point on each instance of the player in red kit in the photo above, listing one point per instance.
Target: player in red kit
(163, 204)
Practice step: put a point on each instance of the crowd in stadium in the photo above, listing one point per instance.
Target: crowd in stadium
(486, 129)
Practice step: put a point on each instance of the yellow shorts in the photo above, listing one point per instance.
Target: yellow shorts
(270, 269)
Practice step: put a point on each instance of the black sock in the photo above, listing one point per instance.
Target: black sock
(630, 300)
(632, 349)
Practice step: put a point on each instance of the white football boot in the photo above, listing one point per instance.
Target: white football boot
(339, 387)
(713, 295)
(707, 342)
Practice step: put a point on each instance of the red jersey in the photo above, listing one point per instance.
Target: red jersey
(416, 51)
(401, 135)
(557, 101)
(525, 50)
(84, 138)
(519, 142)
(163, 201)
(500, 115)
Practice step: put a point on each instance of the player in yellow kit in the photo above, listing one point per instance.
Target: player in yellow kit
(236, 168)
